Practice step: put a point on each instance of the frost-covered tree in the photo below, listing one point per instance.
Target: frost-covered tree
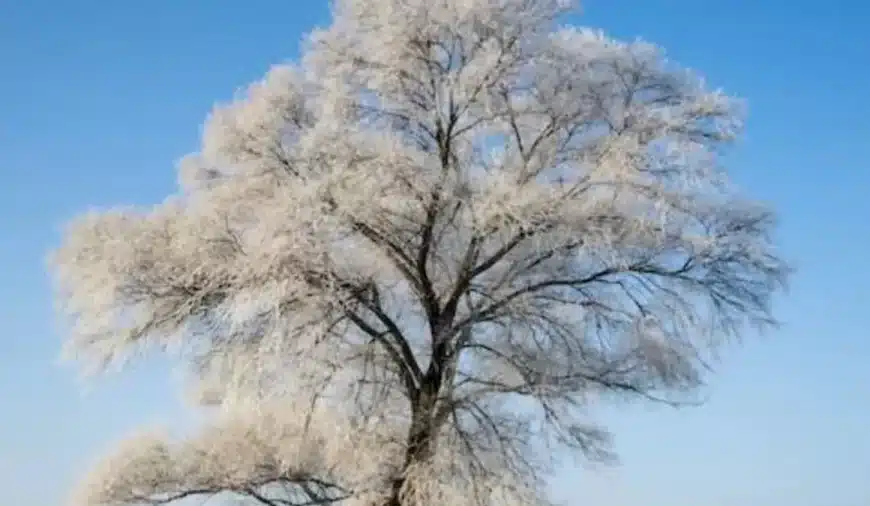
(402, 270)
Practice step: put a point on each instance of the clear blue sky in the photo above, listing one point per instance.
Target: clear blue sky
(98, 99)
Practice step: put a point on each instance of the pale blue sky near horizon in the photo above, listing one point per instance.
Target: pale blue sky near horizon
(98, 99)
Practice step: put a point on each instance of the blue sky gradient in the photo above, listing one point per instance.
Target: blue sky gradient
(98, 100)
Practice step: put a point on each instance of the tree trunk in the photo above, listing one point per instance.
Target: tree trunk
(423, 433)
(421, 439)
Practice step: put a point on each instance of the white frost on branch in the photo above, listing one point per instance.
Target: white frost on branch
(263, 449)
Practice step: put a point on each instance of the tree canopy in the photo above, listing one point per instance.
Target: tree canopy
(400, 267)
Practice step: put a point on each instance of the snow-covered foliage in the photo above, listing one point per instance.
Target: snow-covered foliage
(406, 264)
